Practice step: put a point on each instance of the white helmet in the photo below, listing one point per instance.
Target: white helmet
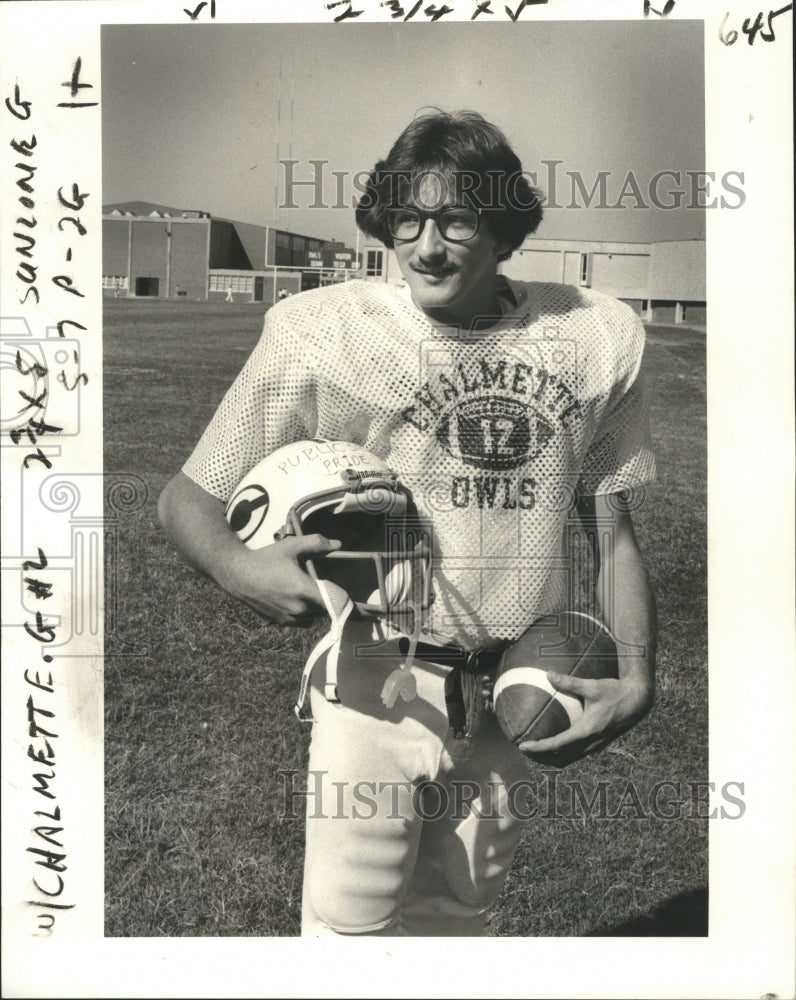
(342, 491)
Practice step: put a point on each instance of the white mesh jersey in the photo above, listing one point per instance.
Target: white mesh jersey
(492, 431)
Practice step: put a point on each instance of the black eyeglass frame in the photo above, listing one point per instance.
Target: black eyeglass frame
(423, 217)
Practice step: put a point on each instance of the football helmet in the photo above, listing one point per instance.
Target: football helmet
(342, 491)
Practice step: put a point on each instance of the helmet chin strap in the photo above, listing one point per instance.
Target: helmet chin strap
(400, 683)
(339, 607)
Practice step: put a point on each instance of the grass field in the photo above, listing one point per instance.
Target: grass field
(198, 691)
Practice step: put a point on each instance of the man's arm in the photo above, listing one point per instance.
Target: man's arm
(611, 707)
(270, 580)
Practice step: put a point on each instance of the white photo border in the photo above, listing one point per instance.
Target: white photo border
(53, 522)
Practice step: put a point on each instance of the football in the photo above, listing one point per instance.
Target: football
(526, 704)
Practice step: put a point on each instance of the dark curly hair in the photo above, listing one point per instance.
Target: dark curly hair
(465, 152)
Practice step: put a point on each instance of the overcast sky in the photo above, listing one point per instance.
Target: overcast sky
(200, 116)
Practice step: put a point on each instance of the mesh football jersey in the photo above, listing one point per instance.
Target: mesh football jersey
(493, 431)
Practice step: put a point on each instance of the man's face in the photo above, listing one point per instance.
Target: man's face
(451, 282)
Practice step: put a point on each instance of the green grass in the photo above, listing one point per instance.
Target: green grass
(199, 691)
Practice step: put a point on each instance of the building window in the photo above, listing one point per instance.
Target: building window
(374, 263)
(282, 252)
(236, 282)
(585, 269)
(114, 281)
(298, 251)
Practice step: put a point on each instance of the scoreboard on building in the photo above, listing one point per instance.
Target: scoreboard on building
(338, 260)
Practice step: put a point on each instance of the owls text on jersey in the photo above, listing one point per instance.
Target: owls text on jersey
(493, 431)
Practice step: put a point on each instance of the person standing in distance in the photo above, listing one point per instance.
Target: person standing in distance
(493, 399)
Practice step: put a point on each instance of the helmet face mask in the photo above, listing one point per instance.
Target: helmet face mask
(341, 491)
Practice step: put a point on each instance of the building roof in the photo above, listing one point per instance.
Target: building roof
(574, 243)
(145, 208)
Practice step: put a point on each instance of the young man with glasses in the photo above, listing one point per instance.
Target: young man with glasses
(500, 404)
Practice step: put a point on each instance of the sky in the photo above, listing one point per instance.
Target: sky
(204, 116)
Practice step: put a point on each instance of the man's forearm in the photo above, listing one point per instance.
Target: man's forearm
(195, 522)
(629, 610)
(271, 580)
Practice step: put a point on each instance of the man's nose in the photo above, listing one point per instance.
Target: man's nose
(430, 242)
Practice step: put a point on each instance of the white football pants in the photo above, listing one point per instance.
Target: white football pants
(409, 831)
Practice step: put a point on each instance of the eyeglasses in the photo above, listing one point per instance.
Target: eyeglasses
(455, 224)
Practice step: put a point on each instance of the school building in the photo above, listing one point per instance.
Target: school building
(156, 251)
(152, 250)
(664, 282)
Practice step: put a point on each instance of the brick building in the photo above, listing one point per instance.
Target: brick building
(156, 251)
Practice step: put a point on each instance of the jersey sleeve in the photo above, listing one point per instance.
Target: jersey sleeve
(269, 404)
(620, 456)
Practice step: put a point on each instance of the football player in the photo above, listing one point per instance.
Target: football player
(499, 404)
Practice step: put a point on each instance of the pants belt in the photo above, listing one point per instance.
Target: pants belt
(473, 661)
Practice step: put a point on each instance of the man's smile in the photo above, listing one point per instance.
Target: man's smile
(433, 272)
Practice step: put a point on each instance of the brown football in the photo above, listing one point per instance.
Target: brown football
(527, 706)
